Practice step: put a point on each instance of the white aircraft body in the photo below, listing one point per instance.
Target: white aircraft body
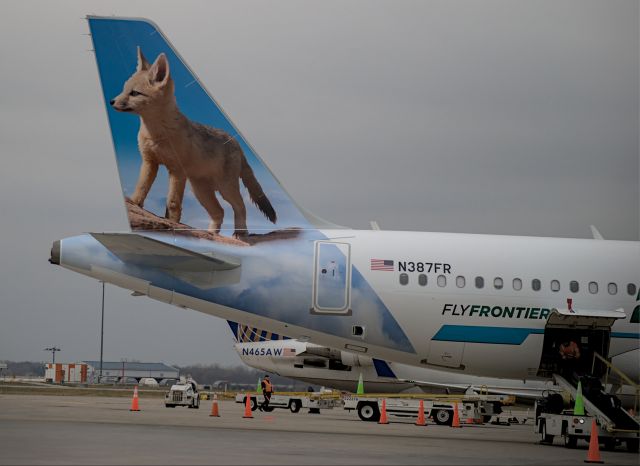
(341, 370)
(484, 305)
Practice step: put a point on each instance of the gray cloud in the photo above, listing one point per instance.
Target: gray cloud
(487, 117)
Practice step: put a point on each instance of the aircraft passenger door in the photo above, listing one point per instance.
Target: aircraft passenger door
(332, 278)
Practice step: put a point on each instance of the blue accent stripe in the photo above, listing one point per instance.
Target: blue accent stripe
(625, 335)
(482, 334)
(383, 369)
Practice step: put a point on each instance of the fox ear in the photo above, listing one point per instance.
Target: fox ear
(143, 64)
(159, 71)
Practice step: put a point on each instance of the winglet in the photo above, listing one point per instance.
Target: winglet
(596, 234)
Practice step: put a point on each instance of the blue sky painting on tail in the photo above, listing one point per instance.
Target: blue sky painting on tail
(115, 43)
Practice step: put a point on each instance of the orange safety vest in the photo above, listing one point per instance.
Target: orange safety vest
(570, 351)
(267, 386)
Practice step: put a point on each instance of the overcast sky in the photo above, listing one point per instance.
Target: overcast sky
(504, 117)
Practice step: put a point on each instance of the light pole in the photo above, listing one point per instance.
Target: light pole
(53, 350)
(101, 335)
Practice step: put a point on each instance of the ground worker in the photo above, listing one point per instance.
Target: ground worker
(569, 350)
(267, 391)
(569, 354)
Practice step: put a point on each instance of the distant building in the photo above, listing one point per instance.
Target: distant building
(117, 371)
(65, 373)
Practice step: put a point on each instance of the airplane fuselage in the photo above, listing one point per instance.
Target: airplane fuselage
(413, 298)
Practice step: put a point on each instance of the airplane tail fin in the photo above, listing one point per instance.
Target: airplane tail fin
(245, 334)
(184, 176)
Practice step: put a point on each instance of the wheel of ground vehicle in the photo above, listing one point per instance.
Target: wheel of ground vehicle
(369, 412)
(295, 405)
(609, 444)
(254, 404)
(443, 417)
(268, 409)
(196, 403)
(570, 441)
(632, 445)
(170, 406)
(544, 437)
(486, 419)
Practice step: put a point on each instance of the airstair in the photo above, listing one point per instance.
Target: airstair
(605, 407)
(591, 331)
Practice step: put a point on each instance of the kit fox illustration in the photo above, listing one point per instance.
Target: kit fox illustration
(209, 158)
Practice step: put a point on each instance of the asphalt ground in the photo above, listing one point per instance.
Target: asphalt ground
(36, 429)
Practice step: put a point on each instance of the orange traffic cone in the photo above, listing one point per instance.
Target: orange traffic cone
(593, 456)
(383, 413)
(421, 421)
(134, 402)
(214, 407)
(456, 416)
(247, 408)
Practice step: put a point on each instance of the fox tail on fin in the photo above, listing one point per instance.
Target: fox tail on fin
(256, 193)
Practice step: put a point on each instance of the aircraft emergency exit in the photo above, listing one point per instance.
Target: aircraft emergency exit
(213, 230)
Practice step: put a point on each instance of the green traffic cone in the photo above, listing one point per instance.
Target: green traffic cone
(360, 389)
(578, 408)
(259, 386)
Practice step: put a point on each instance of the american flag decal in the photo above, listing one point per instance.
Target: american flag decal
(288, 352)
(382, 264)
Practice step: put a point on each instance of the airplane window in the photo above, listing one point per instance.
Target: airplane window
(442, 280)
(498, 283)
(555, 285)
(479, 282)
(460, 281)
(422, 279)
(631, 289)
(612, 288)
(517, 284)
(593, 287)
(535, 284)
(404, 279)
(573, 286)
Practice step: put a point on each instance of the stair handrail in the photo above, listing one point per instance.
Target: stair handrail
(610, 367)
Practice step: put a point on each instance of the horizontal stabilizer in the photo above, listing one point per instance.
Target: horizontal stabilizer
(148, 252)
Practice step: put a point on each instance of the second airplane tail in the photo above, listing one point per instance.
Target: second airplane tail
(246, 334)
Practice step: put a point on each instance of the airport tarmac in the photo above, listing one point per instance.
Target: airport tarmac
(36, 429)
